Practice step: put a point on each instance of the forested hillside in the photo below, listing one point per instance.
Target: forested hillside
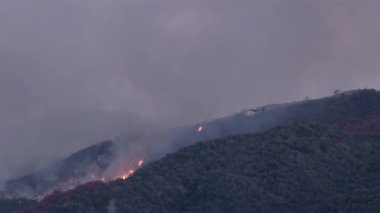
(298, 168)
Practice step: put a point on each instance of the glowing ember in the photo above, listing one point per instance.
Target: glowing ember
(73, 182)
(130, 172)
(200, 129)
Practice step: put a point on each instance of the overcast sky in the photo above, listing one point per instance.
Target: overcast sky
(75, 72)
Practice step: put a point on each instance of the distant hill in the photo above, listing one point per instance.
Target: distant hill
(78, 168)
(302, 167)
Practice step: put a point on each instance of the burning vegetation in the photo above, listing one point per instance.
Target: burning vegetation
(126, 175)
(72, 183)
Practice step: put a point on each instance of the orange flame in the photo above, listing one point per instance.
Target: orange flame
(126, 175)
(130, 172)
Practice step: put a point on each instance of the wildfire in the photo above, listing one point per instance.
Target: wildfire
(73, 182)
(200, 129)
(129, 173)
(126, 175)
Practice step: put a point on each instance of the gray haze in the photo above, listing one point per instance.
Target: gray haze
(75, 72)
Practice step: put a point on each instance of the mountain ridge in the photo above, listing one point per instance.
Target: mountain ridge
(353, 113)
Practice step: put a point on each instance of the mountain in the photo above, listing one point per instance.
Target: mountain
(304, 167)
(354, 112)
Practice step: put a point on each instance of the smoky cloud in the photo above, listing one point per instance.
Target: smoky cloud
(75, 72)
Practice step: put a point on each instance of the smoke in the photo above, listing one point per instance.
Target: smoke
(73, 73)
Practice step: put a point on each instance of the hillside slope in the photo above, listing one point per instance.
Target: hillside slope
(298, 168)
(354, 111)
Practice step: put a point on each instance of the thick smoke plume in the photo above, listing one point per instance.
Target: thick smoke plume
(76, 72)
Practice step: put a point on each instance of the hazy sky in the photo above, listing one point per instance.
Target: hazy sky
(74, 72)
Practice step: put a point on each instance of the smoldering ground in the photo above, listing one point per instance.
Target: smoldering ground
(73, 73)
